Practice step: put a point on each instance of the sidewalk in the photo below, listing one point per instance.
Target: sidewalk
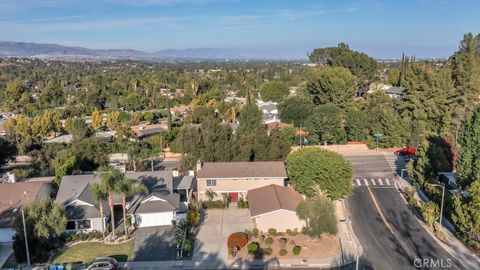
(454, 246)
(350, 251)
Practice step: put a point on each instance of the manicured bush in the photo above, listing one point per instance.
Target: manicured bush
(213, 204)
(268, 240)
(292, 232)
(296, 250)
(255, 232)
(267, 251)
(238, 239)
(283, 252)
(283, 241)
(272, 231)
(252, 248)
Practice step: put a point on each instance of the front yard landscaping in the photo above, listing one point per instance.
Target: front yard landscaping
(86, 252)
(289, 246)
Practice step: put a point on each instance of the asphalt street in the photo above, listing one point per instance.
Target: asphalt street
(397, 240)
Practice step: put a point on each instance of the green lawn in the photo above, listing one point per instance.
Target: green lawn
(86, 252)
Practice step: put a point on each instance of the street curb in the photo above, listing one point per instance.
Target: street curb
(446, 246)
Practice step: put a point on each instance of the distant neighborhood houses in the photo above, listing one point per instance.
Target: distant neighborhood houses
(392, 91)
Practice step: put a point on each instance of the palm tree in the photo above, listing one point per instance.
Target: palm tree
(210, 194)
(109, 181)
(100, 195)
(128, 187)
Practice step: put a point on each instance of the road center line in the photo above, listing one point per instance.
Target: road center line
(380, 211)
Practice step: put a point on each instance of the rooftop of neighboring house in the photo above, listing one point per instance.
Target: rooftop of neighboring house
(396, 90)
(65, 138)
(279, 125)
(14, 196)
(148, 129)
(254, 169)
(77, 188)
(271, 198)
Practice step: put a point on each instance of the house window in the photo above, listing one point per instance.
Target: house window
(211, 183)
(84, 224)
(71, 225)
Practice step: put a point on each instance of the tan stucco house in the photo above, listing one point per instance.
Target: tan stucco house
(275, 206)
(237, 178)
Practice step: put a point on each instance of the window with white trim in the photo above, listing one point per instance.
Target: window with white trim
(211, 182)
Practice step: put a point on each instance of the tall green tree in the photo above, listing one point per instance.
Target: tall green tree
(274, 91)
(8, 150)
(468, 162)
(309, 167)
(296, 110)
(326, 124)
(466, 215)
(128, 187)
(110, 179)
(359, 64)
(45, 220)
(100, 195)
(334, 85)
(250, 119)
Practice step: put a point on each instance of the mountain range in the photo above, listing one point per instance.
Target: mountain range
(43, 50)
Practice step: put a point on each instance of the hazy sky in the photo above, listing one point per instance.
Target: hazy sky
(426, 28)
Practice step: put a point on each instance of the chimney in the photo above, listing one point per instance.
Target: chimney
(199, 165)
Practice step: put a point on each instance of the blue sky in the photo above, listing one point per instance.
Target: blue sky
(426, 28)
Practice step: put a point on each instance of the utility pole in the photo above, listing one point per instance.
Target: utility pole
(25, 235)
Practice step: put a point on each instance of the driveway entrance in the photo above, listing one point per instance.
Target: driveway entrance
(211, 243)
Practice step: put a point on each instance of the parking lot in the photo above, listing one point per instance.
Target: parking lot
(211, 243)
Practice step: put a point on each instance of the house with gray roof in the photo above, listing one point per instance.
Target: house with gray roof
(237, 178)
(157, 208)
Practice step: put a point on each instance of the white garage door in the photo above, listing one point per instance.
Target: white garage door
(155, 219)
(6, 235)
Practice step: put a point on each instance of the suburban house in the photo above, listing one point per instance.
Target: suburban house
(237, 178)
(144, 130)
(157, 208)
(275, 206)
(269, 110)
(392, 91)
(13, 196)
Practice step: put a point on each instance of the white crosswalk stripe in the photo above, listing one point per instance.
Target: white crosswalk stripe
(374, 182)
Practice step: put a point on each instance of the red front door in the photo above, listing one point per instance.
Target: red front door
(233, 196)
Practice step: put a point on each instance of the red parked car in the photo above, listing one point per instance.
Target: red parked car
(405, 151)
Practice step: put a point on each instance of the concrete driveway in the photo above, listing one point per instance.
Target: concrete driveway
(5, 251)
(154, 244)
(211, 242)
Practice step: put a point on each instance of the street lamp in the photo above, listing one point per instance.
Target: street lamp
(25, 235)
(441, 206)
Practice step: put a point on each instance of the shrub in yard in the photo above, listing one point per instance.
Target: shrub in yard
(272, 231)
(252, 248)
(262, 238)
(255, 232)
(187, 247)
(268, 240)
(249, 234)
(296, 250)
(292, 232)
(283, 252)
(238, 240)
(213, 204)
(282, 241)
(267, 251)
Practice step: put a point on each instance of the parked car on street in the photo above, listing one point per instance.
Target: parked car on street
(106, 263)
(405, 151)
